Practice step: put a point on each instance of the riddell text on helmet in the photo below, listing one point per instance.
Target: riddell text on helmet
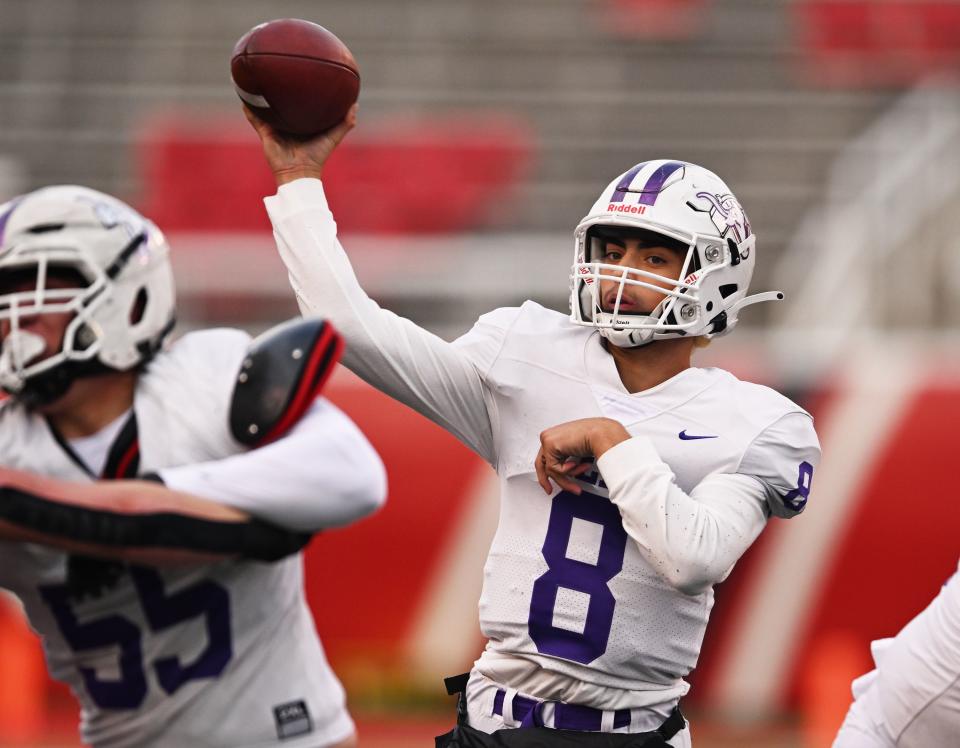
(624, 208)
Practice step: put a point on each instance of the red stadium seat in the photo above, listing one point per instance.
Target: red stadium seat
(653, 19)
(450, 174)
(862, 42)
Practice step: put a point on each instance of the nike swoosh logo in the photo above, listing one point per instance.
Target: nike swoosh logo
(690, 437)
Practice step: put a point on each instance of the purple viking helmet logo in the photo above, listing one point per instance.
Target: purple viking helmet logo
(726, 214)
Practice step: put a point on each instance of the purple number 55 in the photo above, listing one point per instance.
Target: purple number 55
(205, 600)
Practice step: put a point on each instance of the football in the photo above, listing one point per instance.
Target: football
(295, 75)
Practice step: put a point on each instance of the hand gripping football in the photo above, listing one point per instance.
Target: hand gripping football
(295, 75)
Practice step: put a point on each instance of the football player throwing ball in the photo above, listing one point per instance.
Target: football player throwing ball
(631, 481)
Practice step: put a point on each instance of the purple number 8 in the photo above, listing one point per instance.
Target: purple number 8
(579, 576)
(804, 481)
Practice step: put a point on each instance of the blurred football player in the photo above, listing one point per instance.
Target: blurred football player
(154, 499)
(912, 698)
(597, 591)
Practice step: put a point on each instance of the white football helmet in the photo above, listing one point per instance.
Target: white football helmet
(687, 204)
(122, 297)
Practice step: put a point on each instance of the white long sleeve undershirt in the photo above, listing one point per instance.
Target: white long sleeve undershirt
(322, 473)
(693, 540)
(389, 352)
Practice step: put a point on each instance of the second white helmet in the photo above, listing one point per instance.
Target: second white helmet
(121, 293)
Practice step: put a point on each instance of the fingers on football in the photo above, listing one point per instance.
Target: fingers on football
(339, 132)
(255, 122)
(264, 130)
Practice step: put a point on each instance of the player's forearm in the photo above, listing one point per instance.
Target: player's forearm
(323, 473)
(691, 539)
(127, 497)
(148, 556)
(139, 521)
(393, 354)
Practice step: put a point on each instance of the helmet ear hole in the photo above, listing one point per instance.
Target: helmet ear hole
(84, 338)
(728, 289)
(138, 307)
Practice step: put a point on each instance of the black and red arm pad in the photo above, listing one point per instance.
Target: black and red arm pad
(283, 372)
(53, 519)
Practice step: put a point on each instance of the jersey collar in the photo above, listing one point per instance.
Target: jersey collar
(123, 458)
(613, 398)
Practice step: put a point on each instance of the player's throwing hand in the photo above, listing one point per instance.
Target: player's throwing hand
(562, 446)
(295, 158)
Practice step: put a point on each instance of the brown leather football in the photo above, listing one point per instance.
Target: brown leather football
(295, 75)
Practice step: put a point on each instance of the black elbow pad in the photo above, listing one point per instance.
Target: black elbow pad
(283, 371)
(253, 539)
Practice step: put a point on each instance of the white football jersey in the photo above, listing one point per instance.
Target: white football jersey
(564, 584)
(224, 654)
(599, 599)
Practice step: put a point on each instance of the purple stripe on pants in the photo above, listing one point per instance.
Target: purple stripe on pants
(525, 711)
(498, 701)
(565, 716)
(575, 717)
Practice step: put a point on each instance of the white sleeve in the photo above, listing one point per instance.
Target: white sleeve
(323, 473)
(861, 728)
(421, 370)
(912, 697)
(783, 458)
(693, 540)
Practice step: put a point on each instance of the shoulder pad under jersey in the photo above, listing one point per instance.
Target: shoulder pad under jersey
(284, 370)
